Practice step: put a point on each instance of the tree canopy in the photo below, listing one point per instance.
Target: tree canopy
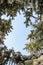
(10, 8)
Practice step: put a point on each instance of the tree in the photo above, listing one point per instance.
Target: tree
(36, 36)
(35, 46)
(10, 8)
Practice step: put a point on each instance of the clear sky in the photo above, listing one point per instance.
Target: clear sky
(17, 38)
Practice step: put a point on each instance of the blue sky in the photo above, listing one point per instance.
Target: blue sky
(17, 38)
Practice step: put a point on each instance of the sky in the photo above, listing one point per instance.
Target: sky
(18, 37)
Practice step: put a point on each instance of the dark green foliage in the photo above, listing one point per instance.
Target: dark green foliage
(36, 36)
(5, 26)
(11, 7)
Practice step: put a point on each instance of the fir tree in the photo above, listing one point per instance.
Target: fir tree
(11, 7)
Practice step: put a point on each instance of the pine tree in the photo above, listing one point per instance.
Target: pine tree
(11, 7)
(35, 46)
(36, 35)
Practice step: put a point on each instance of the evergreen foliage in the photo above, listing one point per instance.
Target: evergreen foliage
(35, 46)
